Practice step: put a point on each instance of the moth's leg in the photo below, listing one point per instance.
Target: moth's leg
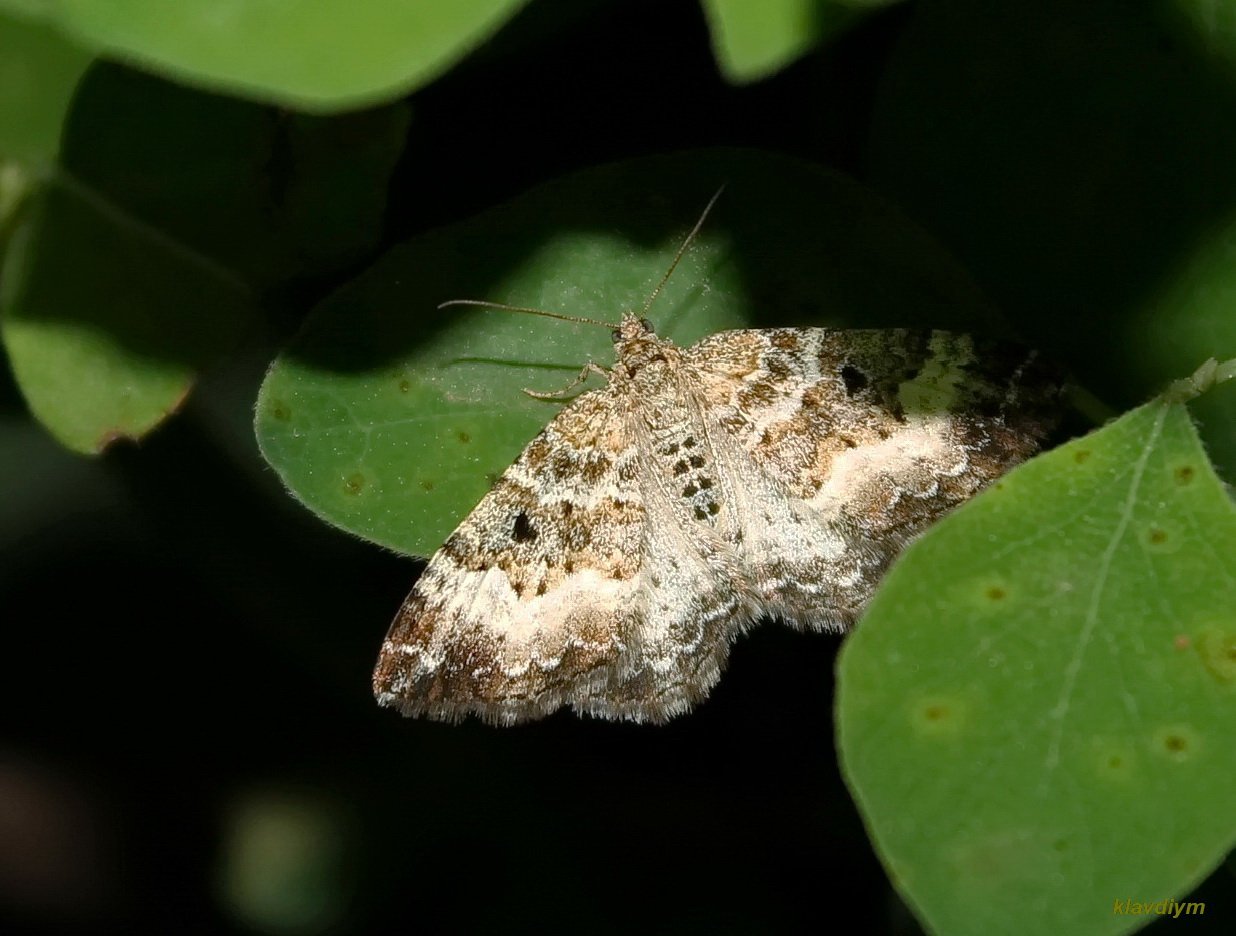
(590, 368)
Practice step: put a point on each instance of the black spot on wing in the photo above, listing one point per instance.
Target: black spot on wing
(855, 380)
(524, 531)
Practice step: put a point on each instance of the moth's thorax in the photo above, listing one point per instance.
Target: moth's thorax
(644, 358)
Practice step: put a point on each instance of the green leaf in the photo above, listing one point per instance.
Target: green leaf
(151, 244)
(106, 321)
(269, 195)
(754, 40)
(1037, 715)
(390, 418)
(38, 72)
(56, 488)
(1215, 24)
(1077, 156)
(307, 54)
(16, 184)
(333, 204)
(285, 861)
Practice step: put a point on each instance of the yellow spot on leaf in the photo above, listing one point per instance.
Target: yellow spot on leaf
(1113, 760)
(1177, 743)
(938, 716)
(1217, 649)
(1161, 537)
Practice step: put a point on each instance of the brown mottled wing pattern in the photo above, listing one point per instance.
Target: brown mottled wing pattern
(696, 592)
(585, 577)
(873, 434)
(533, 599)
(757, 473)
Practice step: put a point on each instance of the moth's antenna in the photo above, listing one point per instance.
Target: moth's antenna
(587, 321)
(531, 311)
(681, 251)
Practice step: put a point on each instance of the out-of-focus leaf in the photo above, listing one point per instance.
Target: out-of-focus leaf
(142, 261)
(38, 72)
(1078, 156)
(269, 195)
(284, 862)
(753, 39)
(106, 321)
(307, 54)
(16, 182)
(48, 487)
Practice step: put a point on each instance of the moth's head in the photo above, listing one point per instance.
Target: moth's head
(632, 328)
(636, 345)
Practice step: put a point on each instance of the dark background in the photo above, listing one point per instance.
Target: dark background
(188, 726)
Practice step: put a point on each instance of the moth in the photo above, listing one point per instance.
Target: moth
(759, 473)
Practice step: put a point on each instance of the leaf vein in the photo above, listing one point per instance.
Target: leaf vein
(1061, 708)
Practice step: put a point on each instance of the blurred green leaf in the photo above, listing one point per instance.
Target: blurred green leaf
(38, 72)
(269, 195)
(1078, 156)
(1215, 23)
(106, 321)
(152, 244)
(30, 9)
(16, 183)
(50, 489)
(306, 54)
(284, 862)
(332, 206)
(753, 40)
(389, 418)
(1037, 715)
